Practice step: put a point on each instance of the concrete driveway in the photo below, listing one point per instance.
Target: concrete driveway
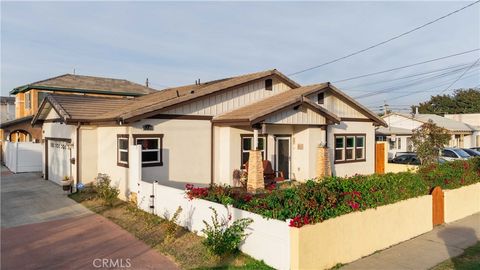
(43, 229)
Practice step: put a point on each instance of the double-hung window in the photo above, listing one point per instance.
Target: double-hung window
(122, 150)
(349, 148)
(247, 145)
(151, 149)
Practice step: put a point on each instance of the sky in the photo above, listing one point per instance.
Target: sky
(175, 43)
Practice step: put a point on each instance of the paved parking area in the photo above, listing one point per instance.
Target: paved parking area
(43, 229)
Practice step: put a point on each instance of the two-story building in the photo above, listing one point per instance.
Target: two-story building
(28, 98)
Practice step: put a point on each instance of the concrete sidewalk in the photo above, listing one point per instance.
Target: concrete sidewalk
(427, 250)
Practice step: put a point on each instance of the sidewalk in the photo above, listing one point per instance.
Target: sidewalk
(426, 250)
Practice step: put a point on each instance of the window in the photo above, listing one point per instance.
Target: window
(268, 84)
(448, 153)
(41, 96)
(391, 143)
(247, 145)
(409, 144)
(349, 148)
(122, 150)
(152, 145)
(399, 143)
(321, 98)
(28, 101)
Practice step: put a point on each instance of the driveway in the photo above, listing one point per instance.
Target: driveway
(42, 228)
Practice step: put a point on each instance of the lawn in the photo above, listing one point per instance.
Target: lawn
(185, 248)
(468, 260)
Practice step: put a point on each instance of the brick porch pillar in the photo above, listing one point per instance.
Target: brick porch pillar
(323, 162)
(255, 172)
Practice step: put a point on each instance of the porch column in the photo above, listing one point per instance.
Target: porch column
(255, 172)
(323, 162)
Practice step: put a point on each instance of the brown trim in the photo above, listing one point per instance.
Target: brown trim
(56, 120)
(352, 119)
(158, 136)
(244, 135)
(275, 152)
(125, 165)
(58, 139)
(345, 147)
(181, 116)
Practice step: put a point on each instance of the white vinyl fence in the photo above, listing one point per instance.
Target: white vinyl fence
(267, 240)
(23, 156)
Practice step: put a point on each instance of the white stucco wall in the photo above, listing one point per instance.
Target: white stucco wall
(88, 156)
(361, 167)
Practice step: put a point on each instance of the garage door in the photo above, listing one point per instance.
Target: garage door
(58, 160)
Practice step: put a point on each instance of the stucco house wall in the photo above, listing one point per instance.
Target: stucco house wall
(359, 167)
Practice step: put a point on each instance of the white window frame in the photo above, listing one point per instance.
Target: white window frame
(339, 148)
(159, 138)
(120, 150)
(363, 147)
(354, 148)
(263, 151)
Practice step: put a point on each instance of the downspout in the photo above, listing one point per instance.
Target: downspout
(212, 153)
(77, 155)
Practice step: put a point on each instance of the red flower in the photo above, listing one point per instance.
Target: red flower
(466, 165)
(354, 205)
(271, 187)
(247, 197)
(299, 221)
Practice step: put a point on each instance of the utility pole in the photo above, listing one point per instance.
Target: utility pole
(146, 82)
(385, 107)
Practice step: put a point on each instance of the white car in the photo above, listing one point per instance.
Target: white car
(454, 154)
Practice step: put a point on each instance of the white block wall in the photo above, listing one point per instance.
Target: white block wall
(268, 239)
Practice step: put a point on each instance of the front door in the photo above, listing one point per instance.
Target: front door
(282, 155)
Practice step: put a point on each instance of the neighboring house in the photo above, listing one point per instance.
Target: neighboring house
(404, 124)
(201, 133)
(7, 109)
(28, 98)
(472, 120)
(398, 139)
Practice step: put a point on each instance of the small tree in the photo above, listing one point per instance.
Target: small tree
(428, 140)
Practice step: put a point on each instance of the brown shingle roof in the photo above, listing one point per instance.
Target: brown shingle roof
(79, 108)
(255, 112)
(173, 96)
(88, 84)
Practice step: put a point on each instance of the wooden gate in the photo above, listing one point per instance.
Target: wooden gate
(437, 206)
(380, 158)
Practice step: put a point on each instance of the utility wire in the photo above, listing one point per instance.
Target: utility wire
(474, 63)
(407, 66)
(408, 76)
(385, 41)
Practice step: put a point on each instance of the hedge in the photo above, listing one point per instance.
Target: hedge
(317, 200)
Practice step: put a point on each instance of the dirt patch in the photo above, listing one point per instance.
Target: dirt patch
(185, 248)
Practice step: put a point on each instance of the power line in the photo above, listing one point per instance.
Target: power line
(407, 66)
(474, 63)
(411, 83)
(385, 41)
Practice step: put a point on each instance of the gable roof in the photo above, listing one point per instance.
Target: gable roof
(87, 84)
(440, 121)
(258, 111)
(393, 130)
(150, 105)
(77, 108)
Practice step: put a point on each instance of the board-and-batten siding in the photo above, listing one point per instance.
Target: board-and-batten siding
(231, 99)
(302, 115)
(338, 106)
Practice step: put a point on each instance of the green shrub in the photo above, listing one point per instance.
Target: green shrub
(222, 238)
(104, 190)
(318, 200)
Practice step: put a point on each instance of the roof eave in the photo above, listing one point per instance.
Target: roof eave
(75, 90)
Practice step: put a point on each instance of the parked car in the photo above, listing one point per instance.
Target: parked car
(454, 154)
(475, 148)
(410, 159)
(471, 152)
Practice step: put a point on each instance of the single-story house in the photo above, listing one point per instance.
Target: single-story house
(201, 133)
(401, 126)
(473, 121)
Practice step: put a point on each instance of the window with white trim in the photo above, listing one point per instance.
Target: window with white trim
(247, 145)
(122, 150)
(151, 149)
(349, 148)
